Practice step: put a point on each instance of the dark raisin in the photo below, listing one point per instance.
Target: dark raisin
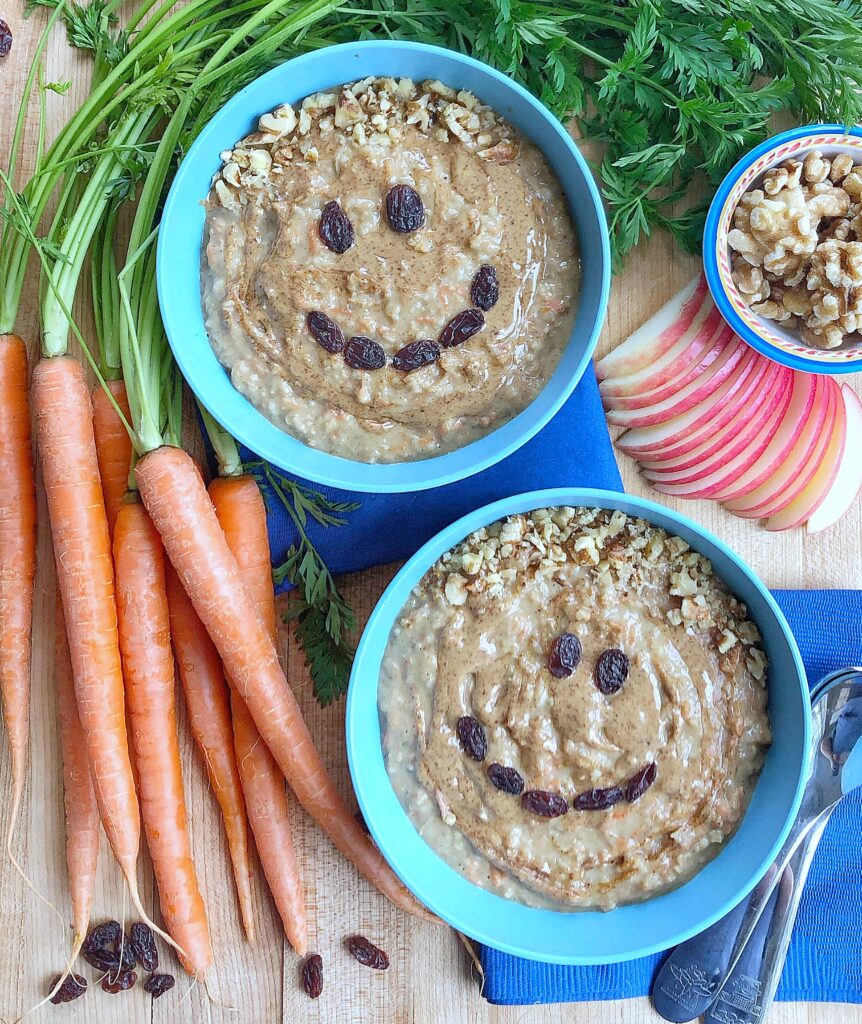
(367, 953)
(312, 976)
(461, 327)
(640, 782)
(546, 805)
(507, 779)
(416, 354)
(485, 290)
(143, 945)
(612, 669)
(5, 38)
(158, 984)
(336, 231)
(597, 799)
(364, 354)
(404, 208)
(73, 986)
(122, 982)
(472, 737)
(102, 959)
(325, 332)
(103, 936)
(564, 656)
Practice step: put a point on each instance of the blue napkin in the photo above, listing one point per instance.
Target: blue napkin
(572, 450)
(824, 963)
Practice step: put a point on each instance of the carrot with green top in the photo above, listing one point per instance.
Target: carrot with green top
(209, 707)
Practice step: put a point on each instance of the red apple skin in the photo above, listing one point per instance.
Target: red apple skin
(729, 476)
(690, 396)
(806, 504)
(740, 430)
(688, 353)
(791, 478)
(709, 354)
(848, 480)
(704, 419)
(652, 339)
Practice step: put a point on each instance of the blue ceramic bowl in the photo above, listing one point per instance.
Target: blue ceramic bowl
(767, 336)
(181, 234)
(587, 937)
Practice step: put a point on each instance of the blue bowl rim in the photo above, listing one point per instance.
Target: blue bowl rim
(331, 470)
(387, 839)
(710, 235)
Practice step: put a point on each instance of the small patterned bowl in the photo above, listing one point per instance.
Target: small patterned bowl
(767, 336)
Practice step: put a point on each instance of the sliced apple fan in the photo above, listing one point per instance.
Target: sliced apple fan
(709, 417)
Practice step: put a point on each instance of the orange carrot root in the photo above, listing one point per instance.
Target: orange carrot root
(82, 551)
(113, 446)
(241, 513)
(18, 561)
(82, 812)
(208, 702)
(175, 497)
(145, 641)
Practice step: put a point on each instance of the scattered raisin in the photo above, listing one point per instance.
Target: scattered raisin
(143, 945)
(461, 327)
(597, 799)
(364, 354)
(5, 38)
(122, 982)
(507, 779)
(612, 669)
(640, 782)
(472, 737)
(312, 975)
(158, 984)
(336, 231)
(404, 208)
(564, 656)
(102, 959)
(367, 953)
(416, 354)
(484, 291)
(325, 332)
(546, 805)
(73, 986)
(103, 936)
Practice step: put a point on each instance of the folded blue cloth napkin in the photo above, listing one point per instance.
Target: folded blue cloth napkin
(824, 963)
(825, 960)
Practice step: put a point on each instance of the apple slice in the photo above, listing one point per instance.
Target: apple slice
(688, 397)
(848, 480)
(696, 342)
(705, 418)
(806, 503)
(738, 432)
(659, 333)
(790, 478)
(709, 354)
(745, 472)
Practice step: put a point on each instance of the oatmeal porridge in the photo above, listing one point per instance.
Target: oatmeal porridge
(389, 271)
(574, 709)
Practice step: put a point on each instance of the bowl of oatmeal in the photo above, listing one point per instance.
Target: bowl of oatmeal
(577, 726)
(383, 266)
(783, 248)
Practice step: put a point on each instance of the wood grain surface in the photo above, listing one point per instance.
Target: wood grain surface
(429, 979)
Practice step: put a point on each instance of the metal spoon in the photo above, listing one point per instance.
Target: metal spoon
(693, 975)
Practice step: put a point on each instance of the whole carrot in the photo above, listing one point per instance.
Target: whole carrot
(208, 703)
(82, 812)
(145, 641)
(17, 560)
(175, 497)
(241, 513)
(113, 445)
(85, 571)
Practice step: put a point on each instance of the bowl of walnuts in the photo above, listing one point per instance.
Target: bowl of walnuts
(783, 248)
